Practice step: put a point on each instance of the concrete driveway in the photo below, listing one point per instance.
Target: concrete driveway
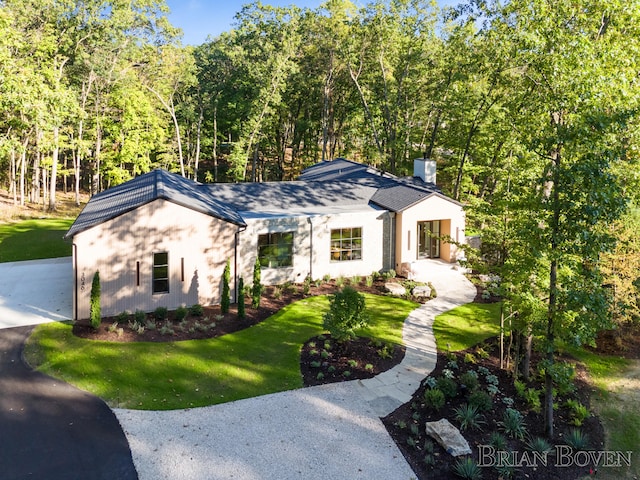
(35, 291)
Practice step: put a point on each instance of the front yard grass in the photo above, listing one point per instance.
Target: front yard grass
(34, 239)
(466, 326)
(163, 376)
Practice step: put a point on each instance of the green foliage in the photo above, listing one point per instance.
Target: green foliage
(256, 288)
(448, 386)
(95, 315)
(513, 424)
(577, 439)
(181, 313)
(434, 398)
(241, 306)
(467, 468)
(579, 413)
(196, 310)
(539, 445)
(481, 399)
(346, 314)
(470, 380)
(225, 300)
(160, 313)
(469, 417)
(498, 441)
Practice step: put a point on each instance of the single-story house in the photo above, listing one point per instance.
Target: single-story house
(162, 240)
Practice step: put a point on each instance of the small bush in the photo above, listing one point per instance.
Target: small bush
(180, 313)
(160, 314)
(576, 439)
(95, 314)
(469, 417)
(320, 376)
(196, 310)
(368, 281)
(469, 380)
(579, 413)
(498, 441)
(123, 317)
(532, 397)
(389, 274)
(513, 424)
(368, 367)
(340, 281)
(448, 387)
(539, 445)
(467, 468)
(434, 399)
(346, 313)
(520, 387)
(482, 400)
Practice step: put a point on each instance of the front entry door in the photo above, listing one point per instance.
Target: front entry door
(429, 239)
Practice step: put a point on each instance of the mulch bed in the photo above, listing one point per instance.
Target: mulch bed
(324, 360)
(213, 323)
(406, 424)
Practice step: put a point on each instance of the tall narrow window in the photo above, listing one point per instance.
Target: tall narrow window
(346, 244)
(161, 272)
(275, 249)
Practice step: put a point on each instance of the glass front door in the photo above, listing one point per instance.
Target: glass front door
(429, 239)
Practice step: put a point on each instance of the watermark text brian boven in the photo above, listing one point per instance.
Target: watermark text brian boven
(564, 456)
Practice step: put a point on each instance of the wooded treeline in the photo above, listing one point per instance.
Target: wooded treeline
(530, 108)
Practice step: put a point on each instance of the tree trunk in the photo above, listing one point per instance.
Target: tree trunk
(54, 168)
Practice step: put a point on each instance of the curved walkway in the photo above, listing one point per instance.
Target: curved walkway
(326, 432)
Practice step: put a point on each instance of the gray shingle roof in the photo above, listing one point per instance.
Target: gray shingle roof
(329, 184)
(158, 184)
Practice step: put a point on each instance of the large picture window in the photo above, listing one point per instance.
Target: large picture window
(346, 244)
(161, 272)
(275, 249)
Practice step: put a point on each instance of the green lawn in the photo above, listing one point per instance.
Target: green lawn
(34, 239)
(467, 325)
(161, 376)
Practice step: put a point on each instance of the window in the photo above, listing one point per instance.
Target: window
(346, 244)
(161, 272)
(275, 249)
(429, 239)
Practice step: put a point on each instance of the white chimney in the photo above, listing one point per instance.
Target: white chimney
(425, 169)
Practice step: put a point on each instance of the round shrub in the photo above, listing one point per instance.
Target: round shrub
(447, 386)
(346, 313)
(481, 400)
(470, 380)
(434, 398)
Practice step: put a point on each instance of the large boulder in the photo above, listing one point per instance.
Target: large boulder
(448, 436)
(395, 289)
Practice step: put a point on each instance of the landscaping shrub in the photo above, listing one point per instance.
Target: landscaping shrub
(196, 310)
(256, 289)
(95, 314)
(513, 424)
(160, 313)
(139, 316)
(346, 313)
(469, 417)
(434, 398)
(180, 313)
(467, 468)
(470, 380)
(225, 301)
(241, 312)
(482, 400)
(447, 386)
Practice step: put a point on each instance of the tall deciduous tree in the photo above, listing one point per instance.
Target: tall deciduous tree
(572, 131)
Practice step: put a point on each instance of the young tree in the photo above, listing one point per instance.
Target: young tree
(226, 292)
(95, 315)
(256, 288)
(241, 309)
(346, 314)
(571, 130)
